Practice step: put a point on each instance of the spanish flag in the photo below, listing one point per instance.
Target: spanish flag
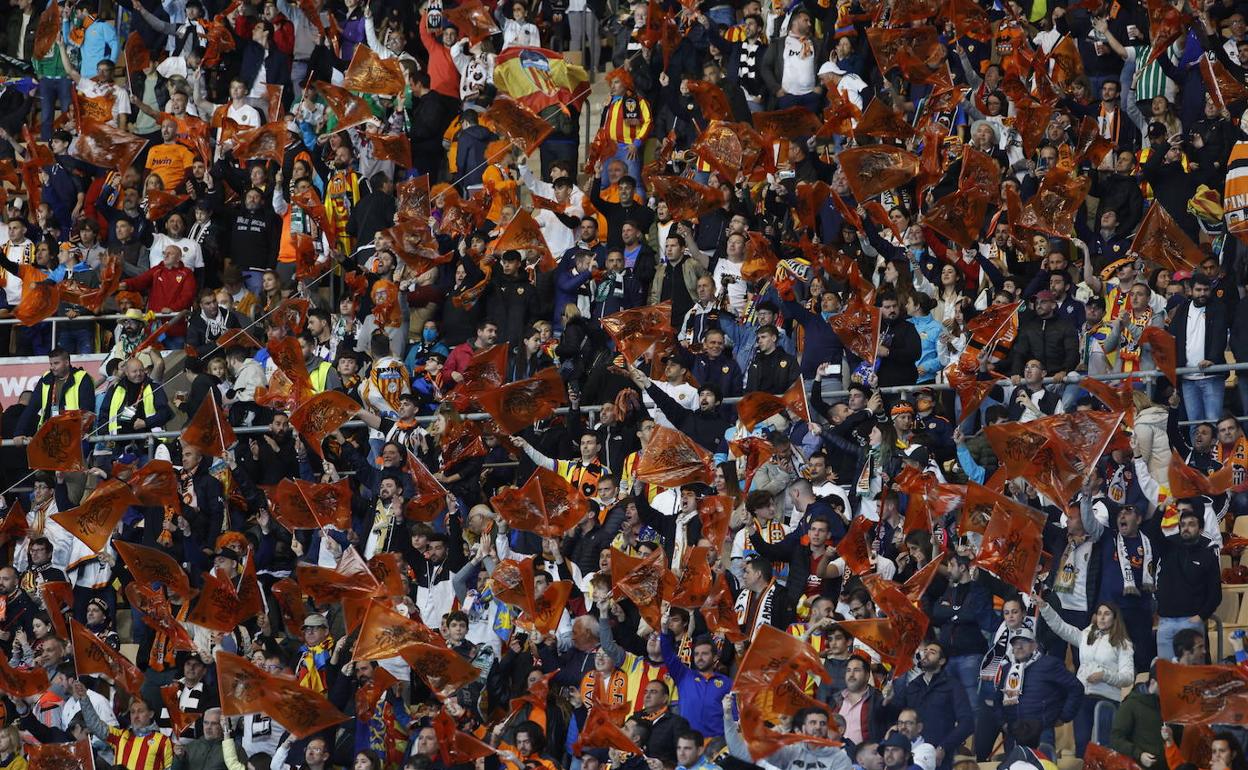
(539, 78)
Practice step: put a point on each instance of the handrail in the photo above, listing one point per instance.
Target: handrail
(1070, 379)
(85, 317)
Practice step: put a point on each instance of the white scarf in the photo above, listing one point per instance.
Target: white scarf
(1128, 575)
(1012, 687)
(216, 326)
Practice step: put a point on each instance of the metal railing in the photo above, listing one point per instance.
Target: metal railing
(82, 319)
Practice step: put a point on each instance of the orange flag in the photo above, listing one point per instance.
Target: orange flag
(370, 74)
(429, 500)
(58, 597)
(241, 685)
(107, 146)
(384, 633)
(757, 406)
(209, 431)
(40, 297)
(720, 613)
(959, 216)
(155, 484)
(461, 441)
(1192, 695)
(170, 696)
(685, 198)
(637, 329)
(645, 581)
(1161, 343)
(791, 123)
(810, 199)
(250, 603)
(1220, 85)
(1012, 548)
(548, 608)
(518, 405)
(756, 451)
(858, 326)
(349, 109)
(918, 583)
(695, 581)
(1186, 481)
(513, 583)
(60, 756)
(415, 244)
(218, 607)
(20, 683)
(439, 667)
(94, 520)
(1166, 24)
(393, 147)
(969, 19)
(47, 30)
(907, 625)
(1052, 209)
(14, 525)
(714, 513)
(93, 656)
(882, 121)
(1161, 241)
(711, 100)
(321, 415)
(413, 199)
(311, 203)
(161, 203)
(672, 459)
(300, 710)
(300, 504)
(523, 233)
(290, 604)
(57, 445)
(367, 696)
(472, 20)
(454, 746)
(154, 610)
(600, 732)
(854, 547)
(151, 565)
(267, 142)
(547, 504)
(515, 122)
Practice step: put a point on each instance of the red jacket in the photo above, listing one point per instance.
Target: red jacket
(443, 74)
(167, 288)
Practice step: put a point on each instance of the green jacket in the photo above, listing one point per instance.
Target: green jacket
(201, 754)
(1137, 727)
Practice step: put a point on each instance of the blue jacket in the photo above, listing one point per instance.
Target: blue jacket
(701, 696)
(566, 287)
(947, 717)
(929, 330)
(99, 42)
(1051, 693)
(821, 343)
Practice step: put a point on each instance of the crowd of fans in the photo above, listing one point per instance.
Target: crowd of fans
(1104, 241)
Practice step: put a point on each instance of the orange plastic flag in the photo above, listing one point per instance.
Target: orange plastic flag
(241, 685)
(1012, 548)
(1192, 695)
(60, 756)
(267, 142)
(384, 633)
(721, 146)
(971, 390)
(368, 696)
(518, 405)
(40, 297)
(1161, 343)
(473, 21)
(906, 626)
(58, 598)
(1186, 481)
(290, 604)
(600, 732)
(94, 519)
(513, 583)
(810, 199)
(93, 656)
(547, 504)
(548, 608)
(969, 19)
(883, 122)
(645, 581)
(1098, 757)
(154, 610)
(429, 500)
(637, 329)
(151, 565)
(209, 431)
(959, 216)
(515, 122)
(47, 30)
(392, 147)
(854, 547)
(454, 746)
(349, 109)
(858, 326)
(21, 683)
(370, 74)
(1161, 241)
(917, 584)
(311, 203)
(413, 199)
(303, 712)
(170, 696)
(321, 415)
(685, 198)
(790, 123)
(387, 569)
(711, 100)
(1220, 85)
(714, 513)
(523, 233)
(300, 504)
(461, 441)
(439, 667)
(14, 525)
(1052, 209)
(1166, 24)
(756, 451)
(250, 603)
(719, 612)
(218, 607)
(672, 459)
(695, 580)
(107, 146)
(57, 445)
(161, 203)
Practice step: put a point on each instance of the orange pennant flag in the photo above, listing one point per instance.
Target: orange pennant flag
(520, 404)
(685, 198)
(150, 565)
(600, 732)
(47, 30)
(1011, 550)
(155, 484)
(472, 20)
(461, 441)
(1162, 242)
(250, 603)
(312, 205)
(695, 581)
(917, 584)
(719, 612)
(369, 73)
(969, 19)
(882, 121)
(1220, 85)
(429, 500)
(523, 233)
(349, 109)
(93, 656)
(515, 122)
(170, 696)
(513, 583)
(548, 608)
(1186, 481)
(790, 123)
(1161, 343)
(267, 142)
(711, 100)
(107, 146)
(290, 604)
(854, 547)
(240, 684)
(14, 525)
(40, 297)
(94, 520)
(1192, 695)
(1098, 757)
(245, 689)
(218, 607)
(671, 459)
(644, 581)
(1052, 209)
(58, 598)
(715, 512)
(209, 431)
(161, 203)
(321, 415)
(1166, 24)
(858, 326)
(456, 747)
(439, 667)
(57, 445)
(635, 330)
(154, 610)
(547, 504)
(873, 169)
(21, 683)
(384, 633)
(958, 216)
(392, 147)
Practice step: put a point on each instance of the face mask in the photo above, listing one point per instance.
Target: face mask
(827, 315)
(429, 335)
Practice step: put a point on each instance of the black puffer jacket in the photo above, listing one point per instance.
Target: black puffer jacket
(1051, 341)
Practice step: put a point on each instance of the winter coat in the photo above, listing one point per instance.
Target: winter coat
(1116, 664)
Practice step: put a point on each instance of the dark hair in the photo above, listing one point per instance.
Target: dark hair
(626, 179)
(1185, 641)
(757, 499)
(457, 615)
(58, 352)
(1025, 732)
(762, 565)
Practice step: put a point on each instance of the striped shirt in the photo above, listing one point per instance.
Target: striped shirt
(1235, 193)
(153, 751)
(1150, 82)
(578, 474)
(627, 119)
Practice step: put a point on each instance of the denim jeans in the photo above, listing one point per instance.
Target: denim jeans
(1167, 628)
(965, 671)
(1203, 398)
(53, 93)
(77, 341)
